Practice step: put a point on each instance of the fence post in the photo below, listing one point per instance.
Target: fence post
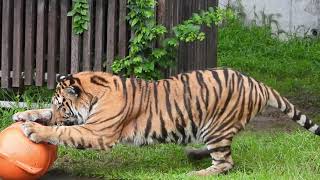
(111, 33)
(52, 43)
(65, 37)
(99, 35)
(17, 42)
(6, 47)
(41, 41)
(30, 30)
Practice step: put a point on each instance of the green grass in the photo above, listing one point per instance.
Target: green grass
(292, 67)
(257, 156)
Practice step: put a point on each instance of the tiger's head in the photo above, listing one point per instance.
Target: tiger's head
(75, 97)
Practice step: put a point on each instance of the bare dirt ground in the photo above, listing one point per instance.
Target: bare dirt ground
(273, 119)
(55, 174)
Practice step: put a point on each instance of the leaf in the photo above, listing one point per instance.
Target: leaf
(71, 13)
(138, 70)
(134, 22)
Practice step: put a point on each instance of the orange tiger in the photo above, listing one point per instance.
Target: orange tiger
(98, 110)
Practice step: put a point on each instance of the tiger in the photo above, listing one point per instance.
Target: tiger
(97, 110)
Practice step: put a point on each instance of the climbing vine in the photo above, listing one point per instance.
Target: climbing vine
(144, 60)
(80, 14)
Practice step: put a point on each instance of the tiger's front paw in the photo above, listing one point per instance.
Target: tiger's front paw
(26, 116)
(32, 115)
(34, 131)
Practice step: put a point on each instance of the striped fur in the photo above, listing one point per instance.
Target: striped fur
(98, 110)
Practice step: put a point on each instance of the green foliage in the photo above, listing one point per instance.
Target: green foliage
(292, 67)
(80, 14)
(146, 61)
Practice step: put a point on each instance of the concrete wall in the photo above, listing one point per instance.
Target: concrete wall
(301, 17)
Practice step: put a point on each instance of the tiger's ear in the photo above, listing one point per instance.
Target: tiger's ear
(61, 78)
(73, 90)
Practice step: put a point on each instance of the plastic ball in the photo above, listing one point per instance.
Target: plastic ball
(20, 158)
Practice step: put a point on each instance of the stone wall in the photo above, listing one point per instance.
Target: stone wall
(286, 17)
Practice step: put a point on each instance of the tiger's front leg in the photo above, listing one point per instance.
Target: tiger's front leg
(77, 136)
(43, 115)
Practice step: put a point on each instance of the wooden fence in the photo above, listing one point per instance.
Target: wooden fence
(37, 42)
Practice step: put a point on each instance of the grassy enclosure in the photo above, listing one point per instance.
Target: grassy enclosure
(292, 67)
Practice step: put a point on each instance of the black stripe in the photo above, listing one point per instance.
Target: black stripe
(179, 113)
(132, 81)
(155, 91)
(175, 136)
(199, 110)
(288, 107)
(220, 149)
(72, 141)
(166, 86)
(317, 132)
(181, 130)
(124, 86)
(217, 139)
(250, 101)
(143, 92)
(149, 124)
(226, 76)
(148, 95)
(186, 85)
(116, 85)
(277, 98)
(101, 144)
(93, 102)
(308, 124)
(216, 77)
(230, 92)
(296, 116)
(164, 133)
(204, 89)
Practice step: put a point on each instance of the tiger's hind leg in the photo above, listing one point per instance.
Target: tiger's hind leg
(219, 148)
(197, 154)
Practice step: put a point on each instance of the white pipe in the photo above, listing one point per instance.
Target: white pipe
(13, 104)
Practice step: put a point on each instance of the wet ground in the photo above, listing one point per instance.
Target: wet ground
(56, 174)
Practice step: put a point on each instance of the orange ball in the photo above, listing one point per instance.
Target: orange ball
(20, 158)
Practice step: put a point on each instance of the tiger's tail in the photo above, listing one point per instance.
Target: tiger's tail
(277, 101)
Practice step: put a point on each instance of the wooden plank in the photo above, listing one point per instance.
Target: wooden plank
(99, 34)
(123, 29)
(111, 34)
(174, 22)
(52, 43)
(75, 53)
(0, 34)
(212, 40)
(6, 41)
(29, 48)
(17, 42)
(88, 40)
(206, 31)
(41, 38)
(198, 58)
(65, 37)
(182, 67)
